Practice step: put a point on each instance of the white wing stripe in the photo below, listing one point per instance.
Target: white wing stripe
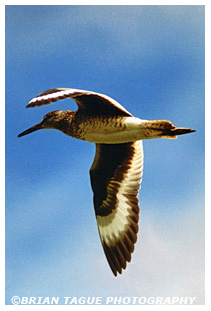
(118, 221)
(51, 96)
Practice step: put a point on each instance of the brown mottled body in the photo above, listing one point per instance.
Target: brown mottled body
(85, 126)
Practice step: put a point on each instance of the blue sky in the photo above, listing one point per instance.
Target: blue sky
(151, 60)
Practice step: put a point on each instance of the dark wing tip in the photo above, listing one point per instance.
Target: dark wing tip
(121, 251)
(49, 96)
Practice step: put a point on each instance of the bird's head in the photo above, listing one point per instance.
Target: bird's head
(50, 121)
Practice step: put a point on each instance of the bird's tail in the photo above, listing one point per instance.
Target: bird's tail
(164, 129)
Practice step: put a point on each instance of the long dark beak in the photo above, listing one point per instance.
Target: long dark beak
(31, 129)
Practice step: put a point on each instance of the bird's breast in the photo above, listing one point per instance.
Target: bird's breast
(96, 129)
(107, 130)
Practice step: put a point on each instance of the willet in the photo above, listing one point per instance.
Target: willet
(116, 172)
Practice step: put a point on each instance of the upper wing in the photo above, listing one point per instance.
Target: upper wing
(93, 103)
(116, 177)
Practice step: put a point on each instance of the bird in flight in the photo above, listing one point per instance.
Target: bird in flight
(116, 172)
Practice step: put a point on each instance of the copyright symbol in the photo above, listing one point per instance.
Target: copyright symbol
(15, 300)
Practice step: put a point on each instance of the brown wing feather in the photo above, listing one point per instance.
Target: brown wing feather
(93, 103)
(115, 177)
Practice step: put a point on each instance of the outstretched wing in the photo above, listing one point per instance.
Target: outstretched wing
(116, 175)
(93, 103)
